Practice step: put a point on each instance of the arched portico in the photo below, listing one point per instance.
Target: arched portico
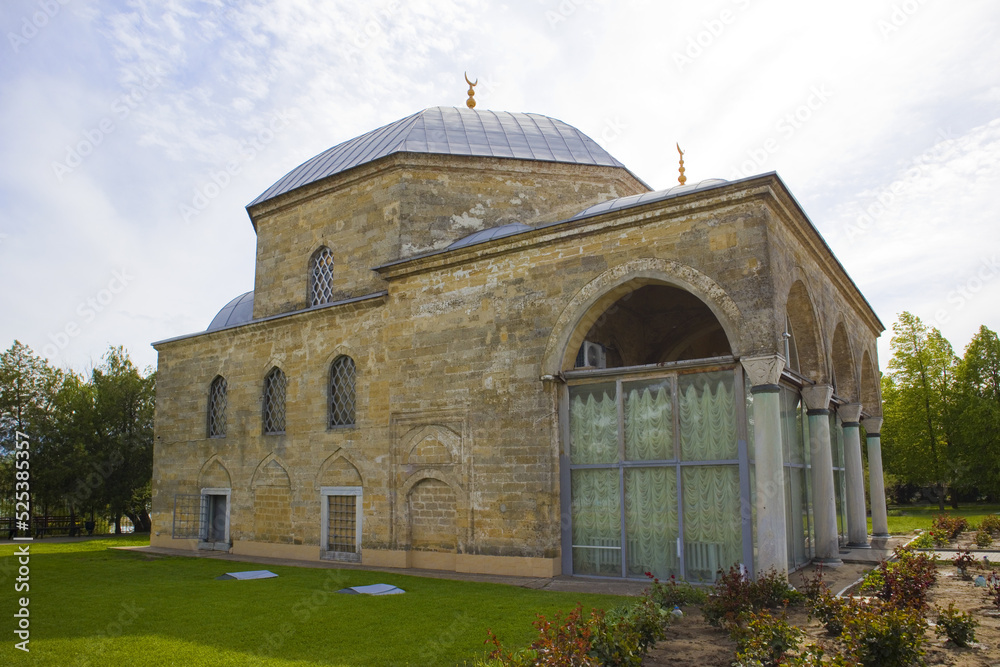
(654, 462)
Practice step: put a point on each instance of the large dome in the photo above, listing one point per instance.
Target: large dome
(453, 131)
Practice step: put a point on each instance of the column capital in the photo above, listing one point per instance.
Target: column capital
(763, 369)
(817, 396)
(873, 425)
(850, 413)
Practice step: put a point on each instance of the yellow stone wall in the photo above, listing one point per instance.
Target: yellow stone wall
(454, 425)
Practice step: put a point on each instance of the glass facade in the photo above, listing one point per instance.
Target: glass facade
(655, 476)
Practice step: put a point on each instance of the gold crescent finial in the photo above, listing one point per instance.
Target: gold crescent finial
(682, 179)
(471, 102)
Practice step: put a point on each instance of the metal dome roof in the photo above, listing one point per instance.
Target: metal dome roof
(453, 131)
(236, 312)
(647, 197)
(486, 234)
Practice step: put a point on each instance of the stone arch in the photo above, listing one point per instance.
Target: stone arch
(432, 512)
(270, 472)
(431, 444)
(214, 475)
(845, 382)
(594, 299)
(801, 314)
(339, 469)
(871, 394)
(272, 502)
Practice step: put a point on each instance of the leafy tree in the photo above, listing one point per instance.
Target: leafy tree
(978, 391)
(28, 386)
(919, 408)
(123, 442)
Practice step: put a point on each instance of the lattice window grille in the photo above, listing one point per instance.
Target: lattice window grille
(274, 402)
(343, 376)
(188, 516)
(321, 279)
(342, 525)
(217, 408)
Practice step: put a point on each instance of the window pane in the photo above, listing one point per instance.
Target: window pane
(593, 424)
(596, 517)
(321, 278)
(274, 402)
(217, 408)
(649, 424)
(342, 392)
(651, 521)
(713, 531)
(342, 525)
(708, 416)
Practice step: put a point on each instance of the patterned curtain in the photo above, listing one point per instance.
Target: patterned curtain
(593, 426)
(651, 521)
(649, 424)
(596, 515)
(713, 535)
(708, 417)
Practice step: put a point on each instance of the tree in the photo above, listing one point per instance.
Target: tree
(919, 408)
(28, 386)
(123, 441)
(978, 391)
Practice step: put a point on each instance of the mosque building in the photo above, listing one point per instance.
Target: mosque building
(477, 342)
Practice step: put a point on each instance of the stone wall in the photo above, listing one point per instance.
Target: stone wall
(454, 425)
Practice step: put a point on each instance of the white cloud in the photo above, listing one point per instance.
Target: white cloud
(923, 95)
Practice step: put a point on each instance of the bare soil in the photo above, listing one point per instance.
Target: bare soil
(691, 641)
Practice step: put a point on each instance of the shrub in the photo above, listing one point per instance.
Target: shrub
(904, 582)
(813, 656)
(958, 626)
(765, 640)
(617, 638)
(983, 538)
(734, 596)
(881, 635)
(829, 609)
(963, 561)
(991, 524)
(670, 594)
(950, 526)
(993, 589)
(924, 540)
(623, 635)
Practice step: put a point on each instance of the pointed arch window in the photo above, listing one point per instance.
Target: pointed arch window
(343, 376)
(321, 277)
(273, 410)
(217, 408)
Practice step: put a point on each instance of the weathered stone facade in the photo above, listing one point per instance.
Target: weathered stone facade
(460, 354)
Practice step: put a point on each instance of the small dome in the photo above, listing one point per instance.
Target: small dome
(647, 197)
(236, 312)
(486, 234)
(453, 131)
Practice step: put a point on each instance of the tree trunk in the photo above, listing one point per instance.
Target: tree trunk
(940, 496)
(118, 523)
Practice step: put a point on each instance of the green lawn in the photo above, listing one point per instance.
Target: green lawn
(907, 518)
(94, 606)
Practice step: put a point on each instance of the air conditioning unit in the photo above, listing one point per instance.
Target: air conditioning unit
(591, 355)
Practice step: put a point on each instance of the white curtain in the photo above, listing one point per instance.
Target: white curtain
(708, 417)
(713, 535)
(593, 427)
(651, 521)
(596, 516)
(649, 424)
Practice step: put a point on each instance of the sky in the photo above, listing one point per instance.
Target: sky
(133, 134)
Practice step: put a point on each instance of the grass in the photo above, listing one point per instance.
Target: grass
(91, 605)
(905, 519)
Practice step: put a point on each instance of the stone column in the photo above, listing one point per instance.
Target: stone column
(817, 400)
(876, 482)
(772, 541)
(857, 522)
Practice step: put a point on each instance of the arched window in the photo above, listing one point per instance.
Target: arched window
(217, 408)
(273, 414)
(342, 394)
(321, 277)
